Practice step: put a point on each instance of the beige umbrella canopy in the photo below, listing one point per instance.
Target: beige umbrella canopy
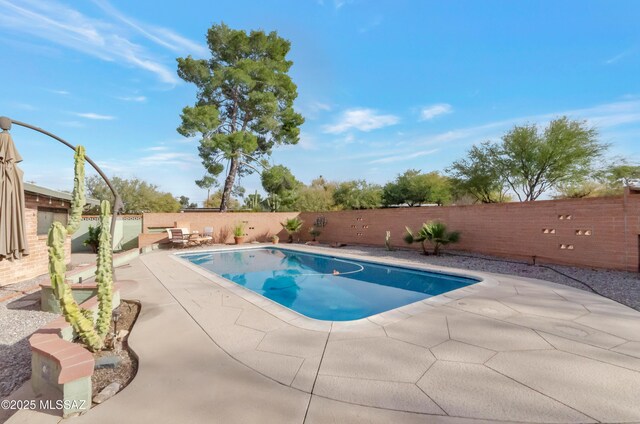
(13, 240)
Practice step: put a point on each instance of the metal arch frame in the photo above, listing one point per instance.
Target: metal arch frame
(5, 124)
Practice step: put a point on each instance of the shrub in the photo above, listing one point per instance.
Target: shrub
(435, 233)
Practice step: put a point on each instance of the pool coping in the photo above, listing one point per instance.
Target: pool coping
(299, 320)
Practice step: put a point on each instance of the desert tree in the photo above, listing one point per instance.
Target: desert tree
(244, 106)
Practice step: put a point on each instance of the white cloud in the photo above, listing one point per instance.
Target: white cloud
(404, 156)
(605, 117)
(373, 23)
(105, 39)
(95, 116)
(618, 57)
(61, 92)
(361, 119)
(139, 99)
(161, 36)
(183, 160)
(24, 106)
(430, 112)
(156, 149)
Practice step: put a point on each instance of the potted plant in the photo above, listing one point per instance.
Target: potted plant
(94, 238)
(315, 232)
(275, 239)
(292, 226)
(238, 233)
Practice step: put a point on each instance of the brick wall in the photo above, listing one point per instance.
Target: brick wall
(37, 262)
(258, 226)
(594, 232)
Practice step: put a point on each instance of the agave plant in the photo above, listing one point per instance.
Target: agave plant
(292, 226)
(433, 232)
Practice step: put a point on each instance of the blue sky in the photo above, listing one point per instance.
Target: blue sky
(384, 85)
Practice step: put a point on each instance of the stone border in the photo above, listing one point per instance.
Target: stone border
(302, 321)
(61, 368)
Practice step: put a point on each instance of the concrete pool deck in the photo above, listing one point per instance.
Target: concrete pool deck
(510, 350)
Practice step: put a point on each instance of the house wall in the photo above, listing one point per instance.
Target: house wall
(554, 231)
(37, 262)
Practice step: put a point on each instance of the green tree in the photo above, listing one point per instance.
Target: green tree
(578, 189)
(185, 203)
(207, 182)
(137, 195)
(316, 197)
(280, 185)
(618, 175)
(215, 200)
(357, 194)
(244, 104)
(534, 162)
(609, 180)
(254, 202)
(477, 175)
(415, 188)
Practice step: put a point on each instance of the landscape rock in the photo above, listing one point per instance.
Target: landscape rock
(107, 392)
(110, 361)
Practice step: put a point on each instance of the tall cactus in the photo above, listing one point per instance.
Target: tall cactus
(78, 198)
(104, 272)
(70, 309)
(79, 320)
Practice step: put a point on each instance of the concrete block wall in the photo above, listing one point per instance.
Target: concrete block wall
(37, 262)
(593, 232)
(258, 226)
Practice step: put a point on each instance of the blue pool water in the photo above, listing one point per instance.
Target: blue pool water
(307, 283)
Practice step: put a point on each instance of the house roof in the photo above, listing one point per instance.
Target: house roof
(54, 194)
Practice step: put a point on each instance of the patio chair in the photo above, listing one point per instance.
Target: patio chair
(208, 235)
(178, 237)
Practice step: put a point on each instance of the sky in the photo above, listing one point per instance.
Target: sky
(384, 85)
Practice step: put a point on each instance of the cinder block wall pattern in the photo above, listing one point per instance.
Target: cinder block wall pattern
(593, 232)
(258, 226)
(37, 262)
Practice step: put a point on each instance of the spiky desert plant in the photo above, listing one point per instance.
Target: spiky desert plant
(433, 232)
(387, 242)
(292, 226)
(104, 273)
(81, 323)
(81, 320)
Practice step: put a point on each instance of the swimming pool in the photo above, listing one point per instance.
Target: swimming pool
(326, 287)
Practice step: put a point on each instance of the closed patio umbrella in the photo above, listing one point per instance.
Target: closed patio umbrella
(13, 240)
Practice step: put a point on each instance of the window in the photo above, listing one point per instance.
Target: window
(46, 217)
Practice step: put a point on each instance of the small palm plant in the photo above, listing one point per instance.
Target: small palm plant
(314, 232)
(292, 226)
(433, 232)
(94, 238)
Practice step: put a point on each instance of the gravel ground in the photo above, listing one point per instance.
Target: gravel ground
(623, 287)
(19, 318)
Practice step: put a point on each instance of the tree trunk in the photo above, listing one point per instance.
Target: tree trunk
(228, 184)
(424, 248)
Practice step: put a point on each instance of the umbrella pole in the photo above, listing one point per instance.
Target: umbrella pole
(5, 124)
